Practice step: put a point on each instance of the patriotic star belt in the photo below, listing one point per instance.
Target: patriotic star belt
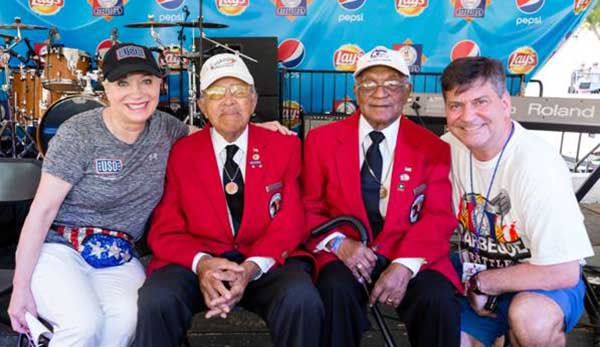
(99, 247)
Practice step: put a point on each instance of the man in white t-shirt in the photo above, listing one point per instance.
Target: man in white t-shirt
(521, 232)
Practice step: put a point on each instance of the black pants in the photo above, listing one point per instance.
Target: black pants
(284, 297)
(429, 309)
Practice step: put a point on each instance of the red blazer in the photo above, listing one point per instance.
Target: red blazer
(192, 215)
(331, 187)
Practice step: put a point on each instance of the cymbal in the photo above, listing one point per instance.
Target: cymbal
(150, 24)
(7, 37)
(19, 25)
(205, 25)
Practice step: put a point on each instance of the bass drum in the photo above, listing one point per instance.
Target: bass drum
(59, 112)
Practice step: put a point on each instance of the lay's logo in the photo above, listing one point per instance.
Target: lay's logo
(173, 59)
(410, 8)
(581, 5)
(46, 7)
(522, 60)
(232, 7)
(345, 57)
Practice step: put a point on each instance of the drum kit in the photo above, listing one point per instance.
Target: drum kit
(38, 88)
(47, 87)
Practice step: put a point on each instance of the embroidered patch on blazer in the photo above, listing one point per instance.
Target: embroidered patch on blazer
(415, 208)
(275, 204)
(274, 186)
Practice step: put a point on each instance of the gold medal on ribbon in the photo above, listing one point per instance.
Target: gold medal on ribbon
(231, 188)
(383, 192)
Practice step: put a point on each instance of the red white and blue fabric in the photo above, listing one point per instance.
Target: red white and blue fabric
(99, 247)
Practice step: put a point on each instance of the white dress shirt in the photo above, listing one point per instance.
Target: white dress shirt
(387, 148)
(219, 144)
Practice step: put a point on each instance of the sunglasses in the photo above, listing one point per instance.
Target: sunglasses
(238, 91)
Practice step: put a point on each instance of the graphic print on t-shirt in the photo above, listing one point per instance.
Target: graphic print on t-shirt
(499, 243)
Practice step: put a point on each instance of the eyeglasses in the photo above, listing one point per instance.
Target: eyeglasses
(238, 91)
(369, 87)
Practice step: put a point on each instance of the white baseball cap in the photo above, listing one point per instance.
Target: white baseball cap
(224, 65)
(382, 56)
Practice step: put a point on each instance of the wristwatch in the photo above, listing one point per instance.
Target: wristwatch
(492, 301)
(474, 285)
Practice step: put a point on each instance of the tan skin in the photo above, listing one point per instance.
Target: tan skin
(480, 118)
(229, 117)
(132, 100)
(380, 109)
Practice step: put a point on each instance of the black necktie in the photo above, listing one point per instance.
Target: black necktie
(370, 178)
(234, 193)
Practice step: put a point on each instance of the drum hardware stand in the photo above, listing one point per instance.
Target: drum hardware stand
(10, 122)
(154, 34)
(86, 81)
(181, 38)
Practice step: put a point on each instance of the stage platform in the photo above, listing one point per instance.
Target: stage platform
(244, 329)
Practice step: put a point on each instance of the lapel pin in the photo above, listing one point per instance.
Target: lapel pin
(404, 177)
(255, 159)
(408, 169)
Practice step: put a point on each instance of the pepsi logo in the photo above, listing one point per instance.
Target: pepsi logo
(529, 6)
(290, 53)
(345, 106)
(464, 48)
(345, 57)
(170, 4)
(104, 46)
(351, 5)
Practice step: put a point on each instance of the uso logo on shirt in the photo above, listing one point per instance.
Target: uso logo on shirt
(108, 166)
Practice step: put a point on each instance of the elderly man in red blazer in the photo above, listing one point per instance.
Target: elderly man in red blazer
(391, 174)
(228, 226)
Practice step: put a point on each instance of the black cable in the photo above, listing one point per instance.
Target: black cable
(416, 107)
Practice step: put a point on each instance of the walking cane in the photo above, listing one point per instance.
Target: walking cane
(364, 237)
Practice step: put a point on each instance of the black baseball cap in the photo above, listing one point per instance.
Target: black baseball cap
(125, 58)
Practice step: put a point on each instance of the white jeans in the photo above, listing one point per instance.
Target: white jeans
(86, 306)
